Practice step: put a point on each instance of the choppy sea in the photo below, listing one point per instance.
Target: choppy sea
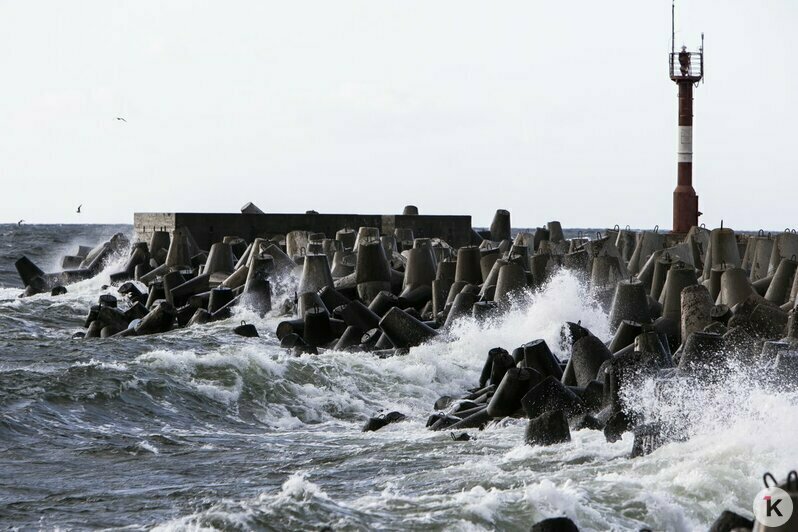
(202, 429)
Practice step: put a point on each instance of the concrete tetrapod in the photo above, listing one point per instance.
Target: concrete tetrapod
(678, 279)
(696, 309)
(629, 303)
(647, 243)
(179, 254)
(347, 237)
(701, 351)
(220, 262)
(722, 250)
(257, 289)
(487, 369)
(488, 257)
(366, 234)
(734, 287)
(468, 269)
(555, 232)
(511, 282)
(316, 274)
(171, 281)
(159, 245)
(539, 357)
(296, 244)
(555, 524)
(420, 269)
(160, 319)
(343, 264)
(403, 330)
(551, 395)
(515, 384)
(317, 330)
(547, 429)
(373, 274)
(625, 335)
(587, 356)
(500, 362)
(759, 263)
(785, 246)
(661, 269)
(500, 227)
(461, 306)
(307, 301)
(220, 297)
(625, 242)
(780, 287)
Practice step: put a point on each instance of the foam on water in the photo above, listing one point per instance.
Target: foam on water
(681, 486)
(295, 423)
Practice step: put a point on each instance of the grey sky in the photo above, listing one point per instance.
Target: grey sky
(553, 110)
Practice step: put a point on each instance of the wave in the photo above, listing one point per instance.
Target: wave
(153, 395)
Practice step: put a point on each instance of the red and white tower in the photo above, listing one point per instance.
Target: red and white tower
(687, 70)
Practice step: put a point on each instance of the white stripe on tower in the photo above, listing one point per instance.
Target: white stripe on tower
(685, 150)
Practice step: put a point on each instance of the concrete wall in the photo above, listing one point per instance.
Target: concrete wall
(209, 228)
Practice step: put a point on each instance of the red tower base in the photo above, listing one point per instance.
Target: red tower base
(685, 208)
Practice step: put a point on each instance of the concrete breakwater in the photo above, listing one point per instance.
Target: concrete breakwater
(682, 308)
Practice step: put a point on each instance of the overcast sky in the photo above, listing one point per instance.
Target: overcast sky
(553, 110)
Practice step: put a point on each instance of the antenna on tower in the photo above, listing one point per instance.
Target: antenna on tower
(673, 26)
(702, 57)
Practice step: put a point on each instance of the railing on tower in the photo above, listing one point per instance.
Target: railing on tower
(687, 66)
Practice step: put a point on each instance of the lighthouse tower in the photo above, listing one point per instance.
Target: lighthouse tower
(686, 70)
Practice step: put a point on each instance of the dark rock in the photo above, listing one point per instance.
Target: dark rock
(617, 424)
(441, 421)
(586, 421)
(376, 423)
(506, 401)
(296, 344)
(246, 330)
(477, 420)
(107, 300)
(487, 369)
(648, 438)
(548, 428)
(443, 402)
(701, 350)
(539, 357)
(587, 355)
(572, 332)
(555, 524)
(551, 395)
(728, 521)
(501, 362)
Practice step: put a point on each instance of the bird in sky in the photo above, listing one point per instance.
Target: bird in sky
(120, 118)
(20, 222)
(79, 206)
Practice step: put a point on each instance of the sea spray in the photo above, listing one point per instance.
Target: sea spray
(248, 435)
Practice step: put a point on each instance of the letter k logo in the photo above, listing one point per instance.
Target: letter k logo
(772, 507)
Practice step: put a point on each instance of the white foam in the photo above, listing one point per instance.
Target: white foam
(147, 446)
(738, 429)
(297, 487)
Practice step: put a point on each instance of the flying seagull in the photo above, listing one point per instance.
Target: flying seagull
(79, 206)
(120, 118)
